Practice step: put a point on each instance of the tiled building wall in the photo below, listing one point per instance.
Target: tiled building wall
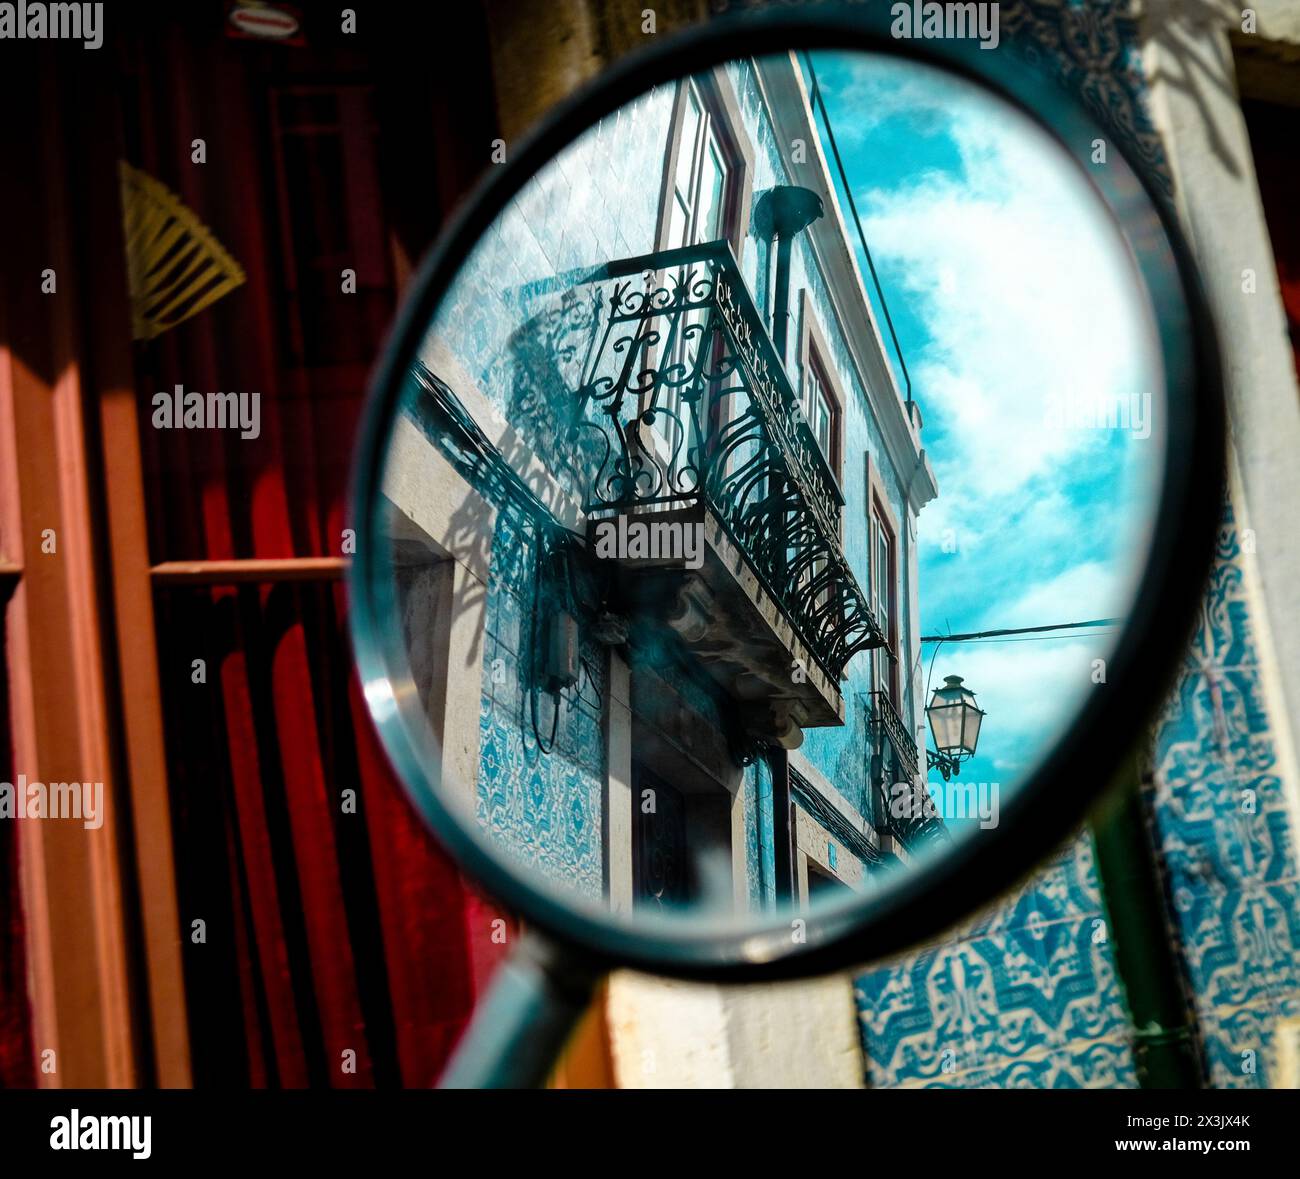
(546, 806)
(1027, 994)
(1226, 837)
(1023, 996)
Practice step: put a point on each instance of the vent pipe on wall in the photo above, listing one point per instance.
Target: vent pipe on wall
(780, 215)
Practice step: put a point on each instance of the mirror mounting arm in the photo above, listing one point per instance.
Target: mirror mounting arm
(520, 1027)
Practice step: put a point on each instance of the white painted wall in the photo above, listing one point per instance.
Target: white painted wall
(675, 1035)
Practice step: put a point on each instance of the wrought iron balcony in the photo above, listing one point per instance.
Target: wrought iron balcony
(689, 405)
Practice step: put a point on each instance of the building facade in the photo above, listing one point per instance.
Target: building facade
(666, 339)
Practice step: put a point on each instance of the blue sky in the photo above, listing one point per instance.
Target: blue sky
(1009, 289)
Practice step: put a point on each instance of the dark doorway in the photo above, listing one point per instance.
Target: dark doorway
(821, 882)
(681, 842)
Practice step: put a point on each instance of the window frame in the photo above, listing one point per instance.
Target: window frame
(719, 103)
(813, 354)
(880, 514)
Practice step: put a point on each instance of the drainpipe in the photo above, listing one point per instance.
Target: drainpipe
(1166, 1047)
(780, 215)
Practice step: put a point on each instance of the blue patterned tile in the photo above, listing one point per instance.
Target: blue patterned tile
(1002, 996)
(1249, 738)
(915, 1019)
(1099, 1065)
(1237, 1046)
(1232, 640)
(1035, 1072)
(1084, 998)
(1240, 947)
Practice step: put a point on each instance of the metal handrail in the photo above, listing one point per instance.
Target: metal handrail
(887, 718)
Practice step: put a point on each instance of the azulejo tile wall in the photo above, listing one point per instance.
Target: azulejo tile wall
(1026, 995)
(546, 808)
(1223, 826)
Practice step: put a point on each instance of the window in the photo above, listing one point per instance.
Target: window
(820, 399)
(821, 395)
(882, 583)
(820, 409)
(252, 761)
(280, 709)
(704, 198)
(705, 169)
(884, 599)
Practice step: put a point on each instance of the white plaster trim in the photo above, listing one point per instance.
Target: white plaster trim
(620, 800)
(521, 457)
(810, 839)
(667, 1034)
(1270, 673)
(433, 505)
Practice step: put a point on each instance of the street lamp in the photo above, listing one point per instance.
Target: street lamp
(954, 724)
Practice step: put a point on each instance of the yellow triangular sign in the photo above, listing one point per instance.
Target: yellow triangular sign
(175, 267)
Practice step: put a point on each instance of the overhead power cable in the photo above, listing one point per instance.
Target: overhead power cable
(1017, 630)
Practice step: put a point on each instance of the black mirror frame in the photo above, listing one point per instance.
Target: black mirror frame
(1045, 809)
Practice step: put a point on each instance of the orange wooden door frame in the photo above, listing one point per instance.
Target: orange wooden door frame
(82, 653)
(71, 886)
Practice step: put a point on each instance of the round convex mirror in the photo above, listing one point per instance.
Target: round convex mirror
(767, 498)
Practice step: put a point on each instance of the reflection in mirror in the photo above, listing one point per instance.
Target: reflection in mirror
(727, 580)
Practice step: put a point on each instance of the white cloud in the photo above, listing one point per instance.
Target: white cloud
(1027, 295)
(1026, 299)
(1078, 593)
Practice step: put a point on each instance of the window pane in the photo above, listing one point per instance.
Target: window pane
(276, 737)
(713, 178)
(883, 593)
(278, 487)
(810, 397)
(687, 149)
(819, 409)
(677, 224)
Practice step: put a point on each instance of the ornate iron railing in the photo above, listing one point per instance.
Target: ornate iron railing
(898, 763)
(889, 725)
(689, 402)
